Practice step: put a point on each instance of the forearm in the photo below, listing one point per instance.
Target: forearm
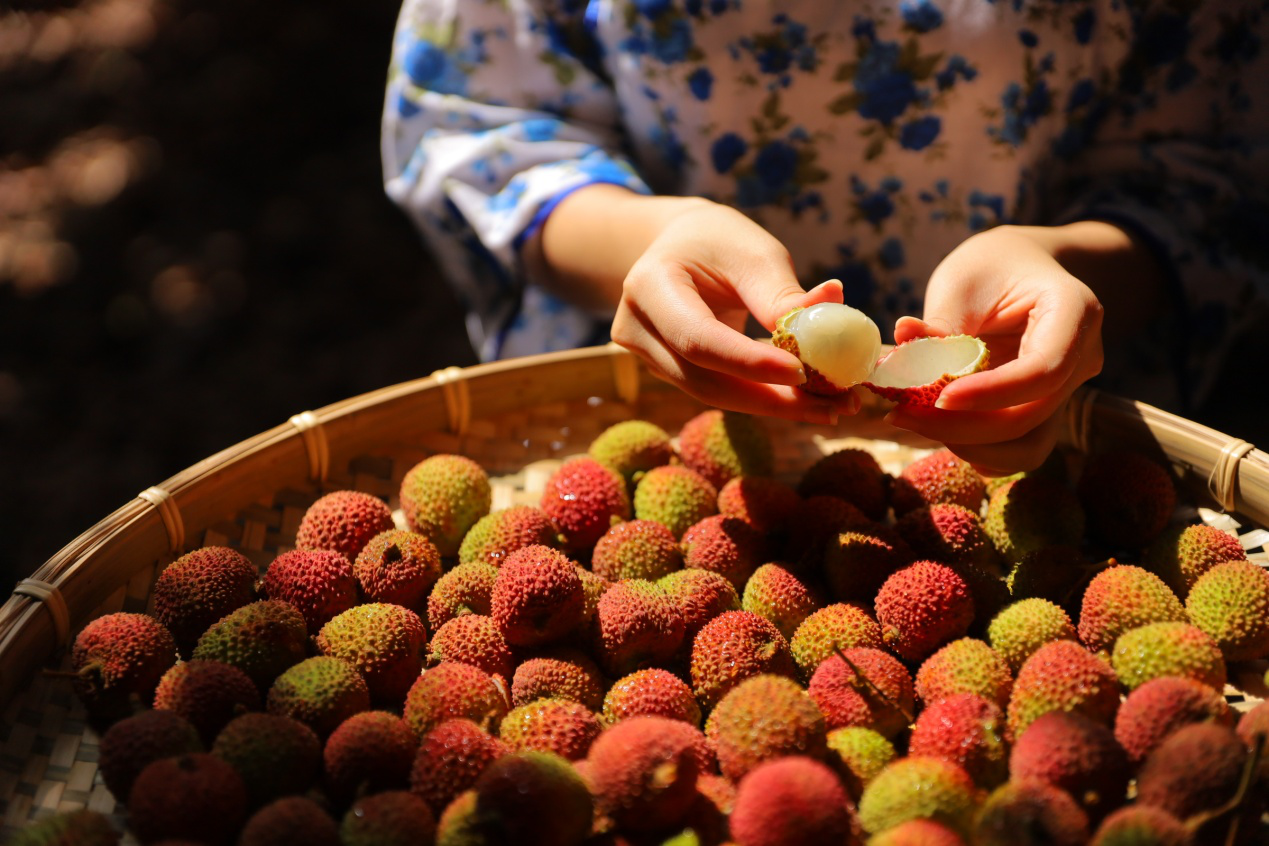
(594, 236)
(1122, 271)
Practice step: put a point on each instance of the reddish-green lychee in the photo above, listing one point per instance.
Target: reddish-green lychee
(790, 802)
(392, 818)
(724, 545)
(1030, 812)
(1183, 553)
(966, 665)
(275, 755)
(732, 647)
(776, 593)
(199, 588)
(636, 625)
(923, 606)
(537, 596)
(1196, 768)
(701, 595)
(763, 718)
(721, 445)
(368, 752)
(842, 625)
(384, 642)
(502, 532)
(344, 522)
(442, 497)
(636, 549)
(558, 673)
(1167, 649)
(207, 693)
(1141, 825)
(1230, 603)
(118, 659)
(1124, 597)
(1128, 497)
(583, 498)
(919, 788)
(1065, 676)
(1024, 626)
(467, 589)
(450, 758)
(676, 497)
(651, 692)
(454, 691)
(1074, 753)
(765, 503)
(320, 692)
(631, 448)
(473, 639)
(1161, 706)
(643, 772)
(1031, 513)
(853, 475)
(318, 582)
(398, 567)
(864, 687)
(561, 726)
(940, 477)
(858, 754)
(967, 730)
(262, 639)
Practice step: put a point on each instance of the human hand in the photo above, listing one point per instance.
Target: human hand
(1043, 328)
(685, 302)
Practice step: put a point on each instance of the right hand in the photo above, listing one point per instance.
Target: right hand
(685, 302)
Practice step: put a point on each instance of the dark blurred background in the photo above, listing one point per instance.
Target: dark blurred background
(195, 245)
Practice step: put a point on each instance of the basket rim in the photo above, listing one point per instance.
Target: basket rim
(304, 448)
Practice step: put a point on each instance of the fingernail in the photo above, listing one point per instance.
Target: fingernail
(850, 404)
(801, 376)
(941, 403)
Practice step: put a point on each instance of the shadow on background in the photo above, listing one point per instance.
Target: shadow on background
(194, 243)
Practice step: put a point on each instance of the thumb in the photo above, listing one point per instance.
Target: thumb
(791, 296)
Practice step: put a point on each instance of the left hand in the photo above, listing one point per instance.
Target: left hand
(1043, 328)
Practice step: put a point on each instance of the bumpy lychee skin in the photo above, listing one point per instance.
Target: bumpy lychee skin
(721, 445)
(859, 754)
(450, 758)
(507, 803)
(1045, 813)
(842, 625)
(207, 693)
(652, 692)
(761, 501)
(774, 592)
(1062, 675)
(384, 642)
(275, 755)
(951, 533)
(918, 832)
(1128, 498)
(467, 589)
(881, 700)
(1026, 625)
(967, 730)
(68, 828)
(1196, 768)
(636, 625)
(731, 648)
(643, 772)
(537, 597)
(291, 819)
(763, 718)
(1230, 603)
(1124, 597)
(319, 582)
(1181, 554)
(916, 371)
(1031, 513)
(1137, 824)
(794, 800)
(199, 588)
(583, 498)
(550, 725)
(343, 522)
(636, 549)
(919, 788)
(724, 545)
(558, 673)
(261, 639)
(966, 665)
(1077, 754)
(631, 448)
(676, 497)
(199, 798)
(320, 692)
(392, 818)
(940, 477)
(850, 474)
(1161, 706)
(817, 521)
(118, 658)
(923, 606)
(454, 691)
(701, 595)
(1167, 649)
(1251, 725)
(133, 743)
(857, 560)
(500, 533)
(442, 497)
(473, 639)
(398, 567)
(369, 752)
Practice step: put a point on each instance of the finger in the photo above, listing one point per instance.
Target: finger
(910, 328)
(672, 310)
(976, 427)
(771, 290)
(1063, 342)
(1025, 453)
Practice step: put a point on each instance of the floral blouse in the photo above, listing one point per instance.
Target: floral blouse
(870, 137)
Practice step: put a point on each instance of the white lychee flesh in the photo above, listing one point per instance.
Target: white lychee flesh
(925, 361)
(841, 342)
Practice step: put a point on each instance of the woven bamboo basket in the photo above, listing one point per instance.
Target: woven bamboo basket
(519, 419)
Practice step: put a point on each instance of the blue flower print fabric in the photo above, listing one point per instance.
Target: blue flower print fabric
(870, 137)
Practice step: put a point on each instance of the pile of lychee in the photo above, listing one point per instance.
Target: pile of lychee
(677, 646)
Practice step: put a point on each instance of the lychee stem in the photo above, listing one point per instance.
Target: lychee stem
(881, 694)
